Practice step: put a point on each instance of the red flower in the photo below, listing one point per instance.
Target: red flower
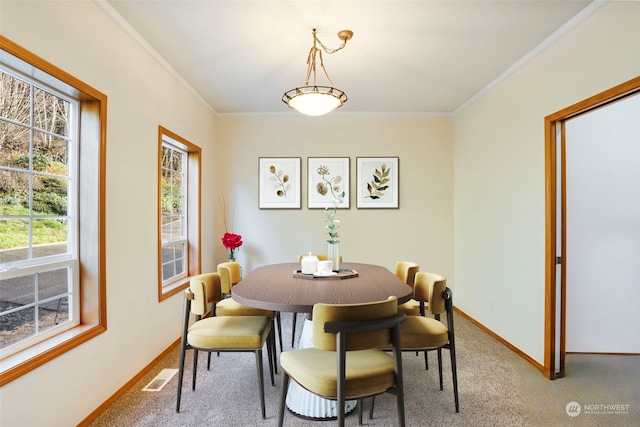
(231, 241)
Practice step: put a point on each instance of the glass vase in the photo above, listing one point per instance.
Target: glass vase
(333, 254)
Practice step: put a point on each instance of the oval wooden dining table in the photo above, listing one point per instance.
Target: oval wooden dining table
(274, 287)
(280, 287)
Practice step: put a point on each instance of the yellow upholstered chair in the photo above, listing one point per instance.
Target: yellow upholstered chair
(345, 362)
(230, 275)
(420, 333)
(220, 334)
(406, 271)
(321, 257)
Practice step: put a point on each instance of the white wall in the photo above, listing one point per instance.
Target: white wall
(79, 38)
(87, 44)
(603, 229)
(421, 230)
(499, 190)
(499, 171)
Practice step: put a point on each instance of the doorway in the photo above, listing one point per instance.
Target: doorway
(556, 225)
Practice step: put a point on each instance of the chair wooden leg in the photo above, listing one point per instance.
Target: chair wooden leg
(261, 382)
(360, 409)
(399, 389)
(279, 320)
(452, 348)
(373, 402)
(184, 345)
(195, 369)
(293, 329)
(400, 404)
(454, 375)
(180, 376)
(271, 357)
(283, 397)
(274, 354)
(440, 367)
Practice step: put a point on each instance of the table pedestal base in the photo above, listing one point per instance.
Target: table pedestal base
(308, 405)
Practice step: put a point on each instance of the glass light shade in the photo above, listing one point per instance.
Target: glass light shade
(314, 100)
(314, 104)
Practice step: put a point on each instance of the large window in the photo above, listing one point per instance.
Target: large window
(51, 285)
(38, 215)
(179, 208)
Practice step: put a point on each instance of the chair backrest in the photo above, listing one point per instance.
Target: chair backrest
(323, 313)
(230, 275)
(206, 292)
(406, 271)
(321, 257)
(430, 287)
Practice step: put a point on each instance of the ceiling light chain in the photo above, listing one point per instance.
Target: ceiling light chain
(344, 35)
(318, 100)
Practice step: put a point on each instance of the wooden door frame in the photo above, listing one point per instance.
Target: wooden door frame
(552, 124)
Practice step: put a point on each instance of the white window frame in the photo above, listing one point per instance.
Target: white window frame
(191, 212)
(69, 259)
(181, 240)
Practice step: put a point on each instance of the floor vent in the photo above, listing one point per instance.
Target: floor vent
(160, 380)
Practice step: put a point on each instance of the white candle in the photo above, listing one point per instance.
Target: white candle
(324, 267)
(309, 264)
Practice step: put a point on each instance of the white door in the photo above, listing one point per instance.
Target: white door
(603, 229)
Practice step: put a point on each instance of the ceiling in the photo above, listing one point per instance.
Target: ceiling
(405, 56)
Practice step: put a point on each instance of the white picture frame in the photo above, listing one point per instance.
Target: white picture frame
(319, 185)
(279, 182)
(378, 185)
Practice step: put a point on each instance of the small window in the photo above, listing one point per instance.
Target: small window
(179, 207)
(173, 220)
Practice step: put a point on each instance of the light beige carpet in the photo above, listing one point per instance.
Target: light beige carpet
(497, 388)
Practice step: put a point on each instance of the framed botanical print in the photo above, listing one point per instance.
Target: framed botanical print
(377, 182)
(279, 182)
(328, 179)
